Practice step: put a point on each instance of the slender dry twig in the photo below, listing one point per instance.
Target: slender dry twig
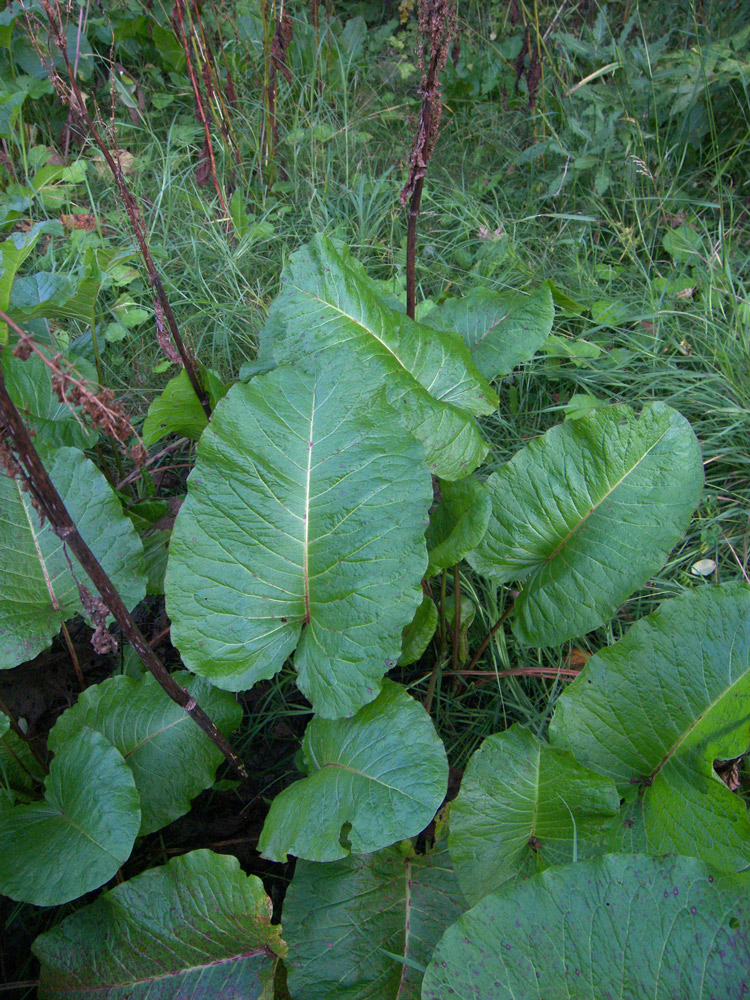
(563, 673)
(275, 47)
(28, 468)
(213, 84)
(72, 96)
(555, 19)
(742, 566)
(432, 683)
(137, 473)
(73, 656)
(441, 658)
(437, 23)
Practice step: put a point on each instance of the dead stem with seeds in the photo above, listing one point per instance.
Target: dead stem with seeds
(437, 26)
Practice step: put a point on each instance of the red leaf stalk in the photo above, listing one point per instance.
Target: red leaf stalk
(178, 20)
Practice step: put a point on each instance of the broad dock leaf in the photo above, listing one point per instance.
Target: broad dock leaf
(501, 329)
(622, 926)
(197, 928)
(177, 410)
(364, 926)
(522, 807)
(39, 591)
(303, 529)
(656, 710)
(29, 385)
(172, 760)
(372, 780)
(587, 513)
(77, 838)
(329, 309)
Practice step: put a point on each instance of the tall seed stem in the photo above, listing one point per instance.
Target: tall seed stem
(437, 25)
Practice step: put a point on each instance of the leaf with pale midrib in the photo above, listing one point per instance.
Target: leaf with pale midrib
(349, 922)
(329, 309)
(501, 329)
(197, 928)
(78, 836)
(622, 926)
(656, 710)
(40, 592)
(172, 760)
(303, 530)
(587, 513)
(522, 807)
(372, 780)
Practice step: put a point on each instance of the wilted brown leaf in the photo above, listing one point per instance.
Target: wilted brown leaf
(577, 658)
(127, 162)
(729, 772)
(81, 220)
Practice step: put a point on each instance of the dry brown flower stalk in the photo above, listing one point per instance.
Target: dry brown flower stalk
(437, 25)
(72, 389)
(207, 166)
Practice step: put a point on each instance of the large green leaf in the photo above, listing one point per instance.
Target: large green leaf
(197, 928)
(172, 760)
(656, 710)
(303, 527)
(361, 928)
(329, 308)
(502, 329)
(40, 592)
(587, 513)
(29, 385)
(458, 524)
(522, 807)
(153, 519)
(177, 410)
(13, 252)
(622, 926)
(77, 838)
(372, 780)
(51, 294)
